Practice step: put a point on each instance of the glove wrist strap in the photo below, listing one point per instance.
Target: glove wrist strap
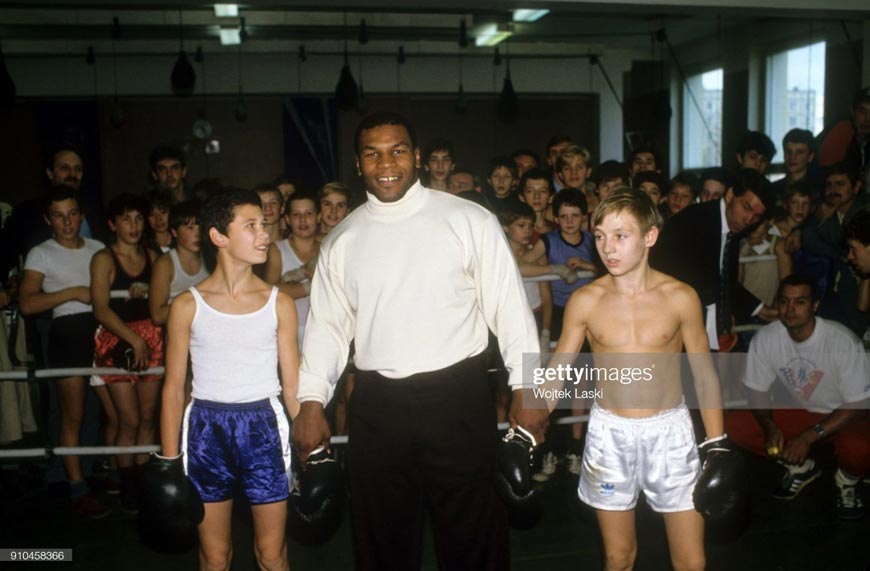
(713, 440)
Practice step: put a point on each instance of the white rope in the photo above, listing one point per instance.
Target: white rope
(753, 259)
(554, 277)
(76, 372)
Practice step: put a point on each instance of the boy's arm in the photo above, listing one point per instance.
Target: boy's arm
(784, 265)
(33, 300)
(706, 380)
(534, 255)
(288, 352)
(158, 296)
(272, 275)
(178, 335)
(101, 283)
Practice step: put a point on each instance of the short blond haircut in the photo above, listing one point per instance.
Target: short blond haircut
(571, 152)
(636, 202)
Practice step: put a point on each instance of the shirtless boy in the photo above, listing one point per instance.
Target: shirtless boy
(635, 428)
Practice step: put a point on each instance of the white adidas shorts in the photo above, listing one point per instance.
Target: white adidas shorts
(656, 454)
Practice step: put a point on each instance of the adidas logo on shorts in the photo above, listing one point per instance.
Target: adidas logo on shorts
(606, 489)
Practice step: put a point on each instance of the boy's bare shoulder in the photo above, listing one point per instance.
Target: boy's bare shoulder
(183, 305)
(592, 292)
(674, 289)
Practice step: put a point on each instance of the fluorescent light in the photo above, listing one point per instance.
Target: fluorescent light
(226, 10)
(230, 36)
(492, 34)
(528, 15)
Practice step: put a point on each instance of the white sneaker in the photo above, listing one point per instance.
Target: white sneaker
(575, 462)
(549, 463)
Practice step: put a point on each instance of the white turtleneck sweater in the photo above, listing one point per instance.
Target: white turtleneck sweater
(415, 283)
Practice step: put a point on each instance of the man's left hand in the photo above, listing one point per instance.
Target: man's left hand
(529, 412)
(797, 449)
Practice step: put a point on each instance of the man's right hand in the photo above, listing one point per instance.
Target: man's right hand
(531, 415)
(774, 441)
(310, 429)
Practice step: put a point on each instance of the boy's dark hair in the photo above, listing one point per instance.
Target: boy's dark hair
(845, 168)
(654, 177)
(756, 141)
(527, 153)
(514, 211)
(800, 136)
(380, 119)
(162, 152)
(302, 195)
(501, 161)
(58, 193)
(160, 198)
(642, 149)
(55, 151)
(719, 174)
(183, 213)
(439, 144)
(218, 212)
(570, 197)
(802, 187)
(858, 227)
(685, 178)
(535, 174)
(127, 202)
(799, 280)
(558, 140)
(271, 188)
(750, 180)
(609, 170)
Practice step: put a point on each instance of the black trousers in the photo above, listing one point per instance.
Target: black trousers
(426, 442)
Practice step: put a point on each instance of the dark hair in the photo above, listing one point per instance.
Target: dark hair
(271, 188)
(514, 211)
(380, 119)
(526, 153)
(51, 156)
(654, 177)
(160, 198)
(184, 212)
(719, 174)
(858, 227)
(756, 141)
(218, 212)
(127, 202)
(58, 193)
(800, 136)
(861, 96)
(799, 280)
(558, 140)
(685, 178)
(610, 170)
(302, 195)
(570, 197)
(501, 161)
(802, 187)
(437, 145)
(642, 149)
(750, 180)
(845, 168)
(535, 174)
(166, 152)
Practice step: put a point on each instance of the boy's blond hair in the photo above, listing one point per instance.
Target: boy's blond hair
(636, 202)
(572, 152)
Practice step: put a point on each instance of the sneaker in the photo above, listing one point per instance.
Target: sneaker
(89, 507)
(575, 461)
(793, 482)
(549, 463)
(849, 504)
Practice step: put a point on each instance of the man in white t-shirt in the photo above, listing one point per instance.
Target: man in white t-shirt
(823, 366)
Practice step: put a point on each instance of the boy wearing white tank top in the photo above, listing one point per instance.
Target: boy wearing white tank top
(287, 265)
(240, 332)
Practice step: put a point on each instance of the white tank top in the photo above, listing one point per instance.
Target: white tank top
(290, 261)
(181, 280)
(234, 357)
(533, 292)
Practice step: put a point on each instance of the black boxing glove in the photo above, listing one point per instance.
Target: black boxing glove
(513, 477)
(721, 494)
(316, 504)
(170, 507)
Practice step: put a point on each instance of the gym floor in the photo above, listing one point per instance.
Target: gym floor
(799, 535)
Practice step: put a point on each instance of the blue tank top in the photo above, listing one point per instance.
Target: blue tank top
(558, 252)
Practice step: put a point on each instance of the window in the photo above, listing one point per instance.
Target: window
(702, 120)
(795, 92)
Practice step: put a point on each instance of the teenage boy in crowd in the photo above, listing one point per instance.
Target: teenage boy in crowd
(168, 170)
(535, 190)
(500, 180)
(525, 159)
(234, 436)
(555, 146)
(755, 151)
(642, 159)
(126, 337)
(715, 182)
(654, 184)
(461, 180)
(573, 166)
(608, 176)
(799, 148)
(438, 163)
(273, 205)
(57, 278)
(334, 206)
(682, 191)
(158, 234)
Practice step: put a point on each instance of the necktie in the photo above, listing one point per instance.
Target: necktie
(723, 307)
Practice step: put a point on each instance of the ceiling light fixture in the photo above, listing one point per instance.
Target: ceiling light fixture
(226, 10)
(529, 15)
(490, 35)
(230, 36)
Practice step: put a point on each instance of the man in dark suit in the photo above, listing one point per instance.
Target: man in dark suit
(700, 246)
